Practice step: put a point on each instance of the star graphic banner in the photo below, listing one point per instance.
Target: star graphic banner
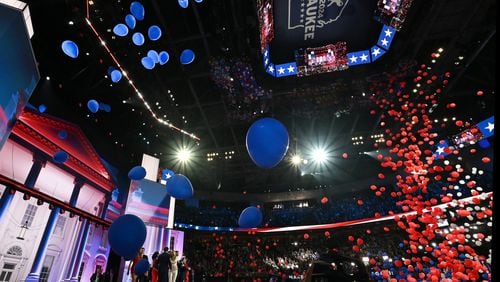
(358, 58)
(286, 69)
(271, 70)
(376, 52)
(441, 146)
(386, 36)
(487, 127)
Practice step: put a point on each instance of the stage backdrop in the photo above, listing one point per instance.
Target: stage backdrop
(149, 201)
(18, 69)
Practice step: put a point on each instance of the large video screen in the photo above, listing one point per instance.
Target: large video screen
(18, 69)
(149, 201)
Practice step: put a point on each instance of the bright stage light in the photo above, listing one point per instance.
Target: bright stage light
(296, 160)
(184, 155)
(319, 155)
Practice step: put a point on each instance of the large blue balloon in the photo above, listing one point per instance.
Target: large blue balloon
(126, 235)
(163, 56)
(141, 267)
(154, 32)
(138, 38)
(137, 10)
(250, 217)
(93, 106)
(62, 134)
(70, 48)
(116, 75)
(183, 3)
(42, 108)
(187, 56)
(179, 187)
(137, 173)
(120, 30)
(267, 142)
(130, 21)
(148, 63)
(60, 157)
(154, 55)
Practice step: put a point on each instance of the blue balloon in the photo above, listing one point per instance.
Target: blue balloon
(70, 48)
(148, 63)
(183, 3)
(179, 187)
(267, 142)
(116, 75)
(126, 235)
(62, 134)
(120, 30)
(163, 56)
(105, 107)
(138, 38)
(60, 157)
(130, 21)
(154, 55)
(141, 267)
(198, 1)
(250, 217)
(154, 32)
(137, 10)
(137, 173)
(110, 70)
(93, 106)
(42, 108)
(187, 56)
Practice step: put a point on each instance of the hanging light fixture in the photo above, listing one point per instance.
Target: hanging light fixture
(22, 232)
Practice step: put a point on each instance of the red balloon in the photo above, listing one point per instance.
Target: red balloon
(324, 200)
(344, 155)
(479, 93)
(306, 236)
(327, 234)
(485, 160)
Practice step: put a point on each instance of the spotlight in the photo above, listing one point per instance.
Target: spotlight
(184, 155)
(319, 155)
(296, 160)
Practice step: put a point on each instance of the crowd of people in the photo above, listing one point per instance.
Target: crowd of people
(244, 97)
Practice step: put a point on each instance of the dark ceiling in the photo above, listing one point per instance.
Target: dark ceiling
(323, 110)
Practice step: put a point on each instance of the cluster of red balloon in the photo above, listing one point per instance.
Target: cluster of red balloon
(410, 136)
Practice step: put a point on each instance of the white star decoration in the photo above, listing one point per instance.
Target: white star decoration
(353, 59)
(364, 57)
(281, 70)
(490, 127)
(291, 69)
(270, 68)
(376, 52)
(440, 150)
(266, 61)
(384, 42)
(388, 33)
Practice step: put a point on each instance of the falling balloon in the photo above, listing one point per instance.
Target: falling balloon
(138, 38)
(60, 157)
(179, 187)
(70, 48)
(250, 217)
(154, 55)
(267, 142)
(62, 134)
(163, 57)
(154, 32)
(93, 106)
(187, 56)
(42, 108)
(120, 30)
(137, 173)
(148, 63)
(130, 21)
(116, 75)
(183, 3)
(137, 10)
(126, 235)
